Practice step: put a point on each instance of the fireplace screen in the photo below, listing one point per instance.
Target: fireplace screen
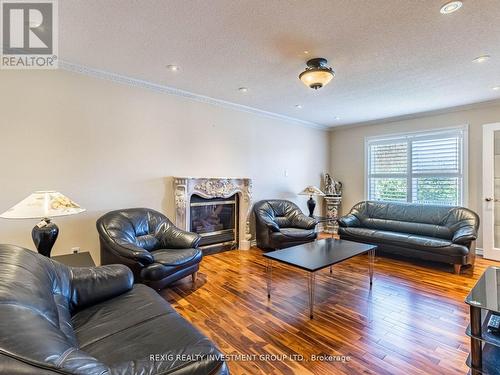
(215, 220)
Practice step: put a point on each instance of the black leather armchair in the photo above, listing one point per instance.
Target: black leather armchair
(281, 224)
(56, 319)
(157, 252)
(436, 233)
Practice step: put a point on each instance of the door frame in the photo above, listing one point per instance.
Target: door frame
(489, 250)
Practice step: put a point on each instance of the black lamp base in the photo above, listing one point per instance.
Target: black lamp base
(311, 204)
(44, 236)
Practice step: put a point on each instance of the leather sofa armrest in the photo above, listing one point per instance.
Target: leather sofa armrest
(349, 220)
(175, 238)
(465, 235)
(304, 222)
(91, 285)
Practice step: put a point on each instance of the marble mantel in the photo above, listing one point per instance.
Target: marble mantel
(214, 187)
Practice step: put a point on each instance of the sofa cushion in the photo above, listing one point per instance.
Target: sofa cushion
(177, 257)
(294, 233)
(144, 325)
(404, 240)
(418, 228)
(169, 261)
(111, 316)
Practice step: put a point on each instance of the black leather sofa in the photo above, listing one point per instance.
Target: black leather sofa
(157, 252)
(436, 233)
(280, 224)
(56, 319)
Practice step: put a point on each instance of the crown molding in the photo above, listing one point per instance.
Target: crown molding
(138, 83)
(412, 116)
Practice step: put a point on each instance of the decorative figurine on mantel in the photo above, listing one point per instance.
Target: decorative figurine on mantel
(333, 200)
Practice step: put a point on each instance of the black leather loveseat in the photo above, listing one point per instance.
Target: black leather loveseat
(280, 224)
(437, 233)
(56, 319)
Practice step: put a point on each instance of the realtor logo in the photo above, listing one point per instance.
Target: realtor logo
(28, 34)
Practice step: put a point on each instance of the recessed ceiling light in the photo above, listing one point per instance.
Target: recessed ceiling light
(298, 106)
(481, 59)
(451, 7)
(173, 68)
(337, 118)
(243, 89)
(306, 52)
(496, 88)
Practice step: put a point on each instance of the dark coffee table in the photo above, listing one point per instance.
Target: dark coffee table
(315, 256)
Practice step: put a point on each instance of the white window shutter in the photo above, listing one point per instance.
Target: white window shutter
(422, 168)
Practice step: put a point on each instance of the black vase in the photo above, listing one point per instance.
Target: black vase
(44, 237)
(311, 204)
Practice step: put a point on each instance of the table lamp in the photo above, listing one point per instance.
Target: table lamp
(311, 204)
(43, 205)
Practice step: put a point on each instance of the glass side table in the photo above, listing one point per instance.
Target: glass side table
(329, 220)
(484, 300)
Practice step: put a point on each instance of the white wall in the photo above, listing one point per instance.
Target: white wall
(347, 149)
(109, 146)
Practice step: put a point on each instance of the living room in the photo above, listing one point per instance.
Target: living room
(249, 187)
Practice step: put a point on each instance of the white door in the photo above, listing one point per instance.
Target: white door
(491, 191)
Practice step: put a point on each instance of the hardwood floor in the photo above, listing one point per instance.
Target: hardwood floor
(411, 322)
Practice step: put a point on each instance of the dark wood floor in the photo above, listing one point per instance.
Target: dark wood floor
(411, 322)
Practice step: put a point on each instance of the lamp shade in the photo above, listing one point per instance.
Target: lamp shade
(43, 204)
(316, 78)
(311, 190)
(317, 73)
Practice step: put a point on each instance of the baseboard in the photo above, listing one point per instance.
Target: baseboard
(479, 251)
(253, 243)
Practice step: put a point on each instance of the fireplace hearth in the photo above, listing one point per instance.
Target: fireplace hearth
(217, 208)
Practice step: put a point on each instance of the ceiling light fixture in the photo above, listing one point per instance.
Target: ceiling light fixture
(243, 89)
(451, 7)
(481, 59)
(496, 88)
(298, 106)
(173, 68)
(317, 73)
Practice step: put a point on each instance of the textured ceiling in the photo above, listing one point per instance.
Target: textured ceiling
(392, 57)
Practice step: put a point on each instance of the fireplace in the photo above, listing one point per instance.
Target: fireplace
(216, 221)
(218, 208)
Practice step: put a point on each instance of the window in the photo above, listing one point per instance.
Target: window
(425, 168)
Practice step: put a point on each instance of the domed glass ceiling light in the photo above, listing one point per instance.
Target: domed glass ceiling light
(317, 73)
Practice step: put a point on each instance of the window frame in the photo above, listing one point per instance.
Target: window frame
(421, 135)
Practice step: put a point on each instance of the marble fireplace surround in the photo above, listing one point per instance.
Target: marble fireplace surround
(214, 187)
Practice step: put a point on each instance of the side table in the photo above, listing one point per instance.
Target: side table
(83, 259)
(328, 222)
(484, 357)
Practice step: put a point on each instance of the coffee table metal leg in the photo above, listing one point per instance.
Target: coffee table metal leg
(269, 278)
(331, 270)
(371, 261)
(311, 284)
